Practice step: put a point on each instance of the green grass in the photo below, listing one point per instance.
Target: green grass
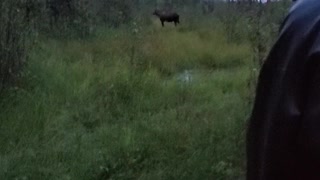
(114, 107)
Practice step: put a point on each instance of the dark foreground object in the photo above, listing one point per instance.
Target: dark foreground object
(283, 141)
(167, 17)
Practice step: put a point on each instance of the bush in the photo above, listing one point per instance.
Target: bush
(114, 12)
(66, 18)
(71, 18)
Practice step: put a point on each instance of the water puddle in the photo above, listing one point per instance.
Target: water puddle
(186, 76)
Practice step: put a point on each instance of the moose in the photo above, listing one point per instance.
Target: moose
(167, 16)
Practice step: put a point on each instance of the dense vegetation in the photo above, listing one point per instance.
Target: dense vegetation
(90, 93)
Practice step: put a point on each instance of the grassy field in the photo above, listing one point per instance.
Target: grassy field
(130, 103)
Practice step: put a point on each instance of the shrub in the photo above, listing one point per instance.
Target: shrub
(114, 12)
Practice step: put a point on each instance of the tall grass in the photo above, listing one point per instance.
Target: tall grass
(134, 102)
(89, 113)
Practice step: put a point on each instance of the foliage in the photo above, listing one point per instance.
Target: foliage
(135, 100)
(13, 31)
(89, 113)
(115, 12)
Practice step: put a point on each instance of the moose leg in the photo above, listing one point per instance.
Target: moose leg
(162, 23)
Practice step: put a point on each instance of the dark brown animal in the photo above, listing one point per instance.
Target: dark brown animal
(167, 17)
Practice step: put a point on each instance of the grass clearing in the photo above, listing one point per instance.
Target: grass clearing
(113, 107)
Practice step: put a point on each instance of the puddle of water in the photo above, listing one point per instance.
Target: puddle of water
(185, 77)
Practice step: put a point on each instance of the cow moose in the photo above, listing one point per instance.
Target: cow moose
(168, 16)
